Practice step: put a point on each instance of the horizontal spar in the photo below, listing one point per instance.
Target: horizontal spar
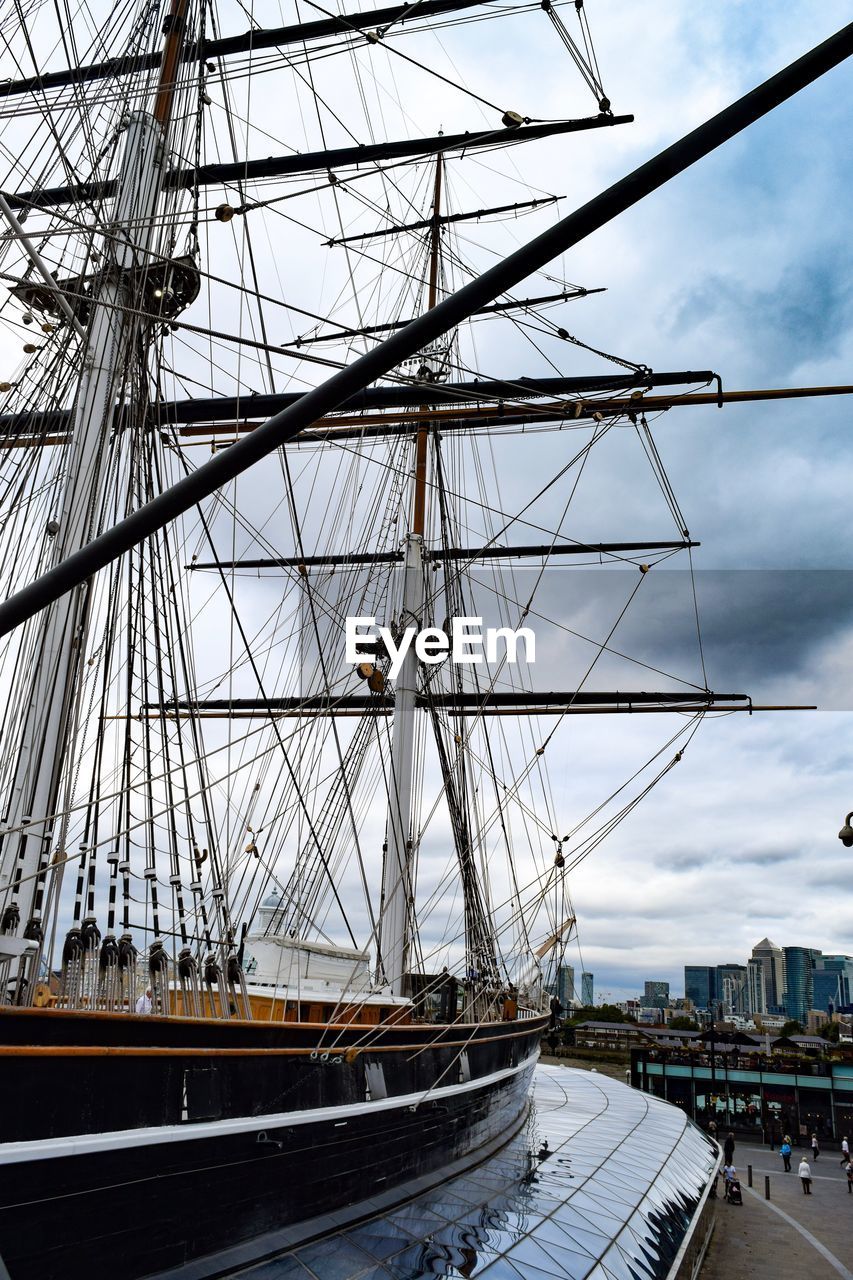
(241, 171)
(246, 42)
(442, 220)
(369, 330)
(447, 553)
(687, 708)
(504, 276)
(217, 408)
(378, 426)
(24, 430)
(486, 702)
(230, 408)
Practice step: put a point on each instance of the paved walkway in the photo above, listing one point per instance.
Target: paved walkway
(791, 1236)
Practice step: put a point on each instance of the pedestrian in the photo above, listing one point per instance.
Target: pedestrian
(815, 1147)
(712, 1129)
(849, 1171)
(729, 1176)
(805, 1176)
(785, 1153)
(729, 1148)
(845, 1151)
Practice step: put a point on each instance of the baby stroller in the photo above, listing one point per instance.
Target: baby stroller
(733, 1193)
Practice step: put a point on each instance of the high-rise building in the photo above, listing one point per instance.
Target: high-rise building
(799, 986)
(756, 991)
(566, 985)
(656, 995)
(773, 962)
(586, 989)
(733, 996)
(829, 988)
(700, 984)
(832, 981)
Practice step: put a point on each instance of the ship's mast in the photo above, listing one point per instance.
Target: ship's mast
(58, 643)
(399, 854)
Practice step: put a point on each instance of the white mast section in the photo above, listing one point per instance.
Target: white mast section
(58, 638)
(397, 877)
(60, 642)
(397, 886)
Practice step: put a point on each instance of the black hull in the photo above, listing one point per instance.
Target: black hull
(239, 1141)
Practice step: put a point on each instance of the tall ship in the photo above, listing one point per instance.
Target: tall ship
(283, 876)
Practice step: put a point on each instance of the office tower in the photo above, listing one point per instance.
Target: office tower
(773, 962)
(832, 980)
(828, 988)
(799, 986)
(733, 997)
(566, 985)
(586, 990)
(700, 984)
(656, 995)
(756, 990)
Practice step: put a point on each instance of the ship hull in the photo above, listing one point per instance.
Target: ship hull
(251, 1140)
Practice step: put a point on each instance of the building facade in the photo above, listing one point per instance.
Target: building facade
(586, 990)
(751, 1093)
(756, 991)
(566, 985)
(731, 985)
(656, 995)
(773, 962)
(700, 985)
(799, 984)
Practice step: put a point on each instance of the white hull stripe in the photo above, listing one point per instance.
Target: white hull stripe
(119, 1139)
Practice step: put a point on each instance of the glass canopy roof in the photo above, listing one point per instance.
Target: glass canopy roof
(600, 1185)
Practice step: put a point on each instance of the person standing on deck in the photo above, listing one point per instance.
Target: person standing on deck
(805, 1176)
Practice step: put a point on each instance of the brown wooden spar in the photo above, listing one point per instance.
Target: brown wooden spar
(419, 510)
(173, 30)
(481, 417)
(519, 413)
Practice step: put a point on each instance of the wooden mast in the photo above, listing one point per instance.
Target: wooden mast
(419, 512)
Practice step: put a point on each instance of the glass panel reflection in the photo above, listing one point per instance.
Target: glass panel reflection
(600, 1185)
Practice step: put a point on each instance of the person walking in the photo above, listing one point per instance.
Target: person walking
(729, 1148)
(849, 1171)
(785, 1153)
(845, 1151)
(805, 1176)
(815, 1147)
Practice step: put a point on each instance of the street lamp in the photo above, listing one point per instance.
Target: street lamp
(845, 835)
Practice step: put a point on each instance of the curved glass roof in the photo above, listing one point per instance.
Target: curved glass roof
(600, 1185)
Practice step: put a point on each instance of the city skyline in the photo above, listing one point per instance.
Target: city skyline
(835, 980)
